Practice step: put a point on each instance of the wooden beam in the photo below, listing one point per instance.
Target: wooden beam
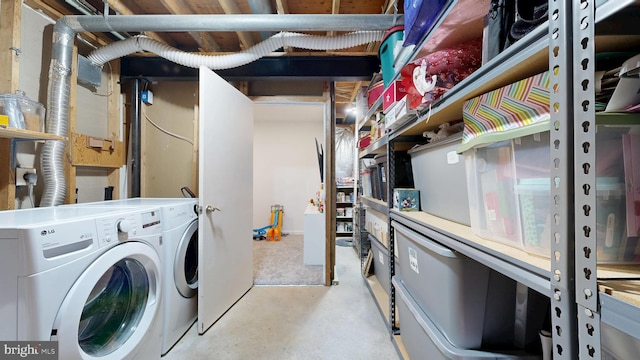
(231, 7)
(335, 9)
(69, 169)
(282, 7)
(205, 41)
(330, 189)
(123, 9)
(356, 87)
(113, 115)
(10, 20)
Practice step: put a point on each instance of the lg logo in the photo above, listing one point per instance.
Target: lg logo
(45, 232)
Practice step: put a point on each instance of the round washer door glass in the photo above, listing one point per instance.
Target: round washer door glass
(114, 308)
(185, 269)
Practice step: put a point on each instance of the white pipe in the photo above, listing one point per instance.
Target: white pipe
(218, 62)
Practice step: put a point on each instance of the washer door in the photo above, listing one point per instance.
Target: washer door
(185, 265)
(111, 306)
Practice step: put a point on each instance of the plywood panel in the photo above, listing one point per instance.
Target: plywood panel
(84, 155)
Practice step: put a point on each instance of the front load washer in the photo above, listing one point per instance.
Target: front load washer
(179, 260)
(86, 278)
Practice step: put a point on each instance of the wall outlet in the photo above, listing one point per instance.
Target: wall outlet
(20, 176)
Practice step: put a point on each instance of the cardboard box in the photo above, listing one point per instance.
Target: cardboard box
(392, 94)
(398, 115)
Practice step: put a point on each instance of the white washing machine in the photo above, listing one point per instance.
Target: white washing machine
(179, 261)
(87, 278)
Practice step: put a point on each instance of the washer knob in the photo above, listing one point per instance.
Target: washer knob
(124, 226)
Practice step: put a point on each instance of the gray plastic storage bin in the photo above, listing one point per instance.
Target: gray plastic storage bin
(450, 287)
(381, 263)
(422, 339)
(439, 174)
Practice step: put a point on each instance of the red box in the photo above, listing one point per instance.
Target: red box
(374, 93)
(394, 93)
(364, 141)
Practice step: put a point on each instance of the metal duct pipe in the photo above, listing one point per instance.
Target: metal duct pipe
(66, 28)
(52, 159)
(240, 22)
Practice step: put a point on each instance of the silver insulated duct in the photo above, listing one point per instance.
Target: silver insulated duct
(52, 159)
(67, 27)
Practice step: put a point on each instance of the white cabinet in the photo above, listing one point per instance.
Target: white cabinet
(314, 236)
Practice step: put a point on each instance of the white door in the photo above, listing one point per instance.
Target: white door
(225, 234)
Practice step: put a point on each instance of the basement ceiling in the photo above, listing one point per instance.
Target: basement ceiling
(363, 60)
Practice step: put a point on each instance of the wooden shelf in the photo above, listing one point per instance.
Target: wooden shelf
(510, 253)
(625, 290)
(10, 133)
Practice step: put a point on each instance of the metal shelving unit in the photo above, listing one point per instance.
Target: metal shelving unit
(582, 308)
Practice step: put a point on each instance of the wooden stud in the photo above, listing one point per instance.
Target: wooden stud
(329, 188)
(69, 169)
(10, 21)
(114, 118)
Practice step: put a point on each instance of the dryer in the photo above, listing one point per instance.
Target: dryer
(179, 260)
(86, 278)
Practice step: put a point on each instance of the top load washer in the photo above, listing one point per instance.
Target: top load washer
(87, 278)
(179, 260)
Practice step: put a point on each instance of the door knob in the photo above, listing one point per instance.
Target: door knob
(210, 209)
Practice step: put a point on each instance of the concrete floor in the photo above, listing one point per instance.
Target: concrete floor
(298, 322)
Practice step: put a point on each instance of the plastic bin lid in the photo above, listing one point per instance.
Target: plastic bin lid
(391, 31)
(23, 99)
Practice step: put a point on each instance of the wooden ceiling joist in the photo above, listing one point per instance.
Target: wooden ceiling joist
(231, 7)
(123, 9)
(205, 41)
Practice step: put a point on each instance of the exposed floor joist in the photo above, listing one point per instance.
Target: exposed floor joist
(230, 7)
(205, 41)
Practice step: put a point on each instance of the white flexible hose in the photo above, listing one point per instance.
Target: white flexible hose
(218, 62)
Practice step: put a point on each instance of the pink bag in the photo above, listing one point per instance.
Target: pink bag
(428, 78)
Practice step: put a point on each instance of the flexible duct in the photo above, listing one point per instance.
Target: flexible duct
(65, 30)
(218, 62)
(52, 157)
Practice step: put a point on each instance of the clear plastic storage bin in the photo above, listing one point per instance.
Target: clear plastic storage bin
(492, 204)
(22, 112)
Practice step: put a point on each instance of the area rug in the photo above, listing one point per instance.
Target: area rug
(282, 263)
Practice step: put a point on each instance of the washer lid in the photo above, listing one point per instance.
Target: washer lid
(112, 305)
